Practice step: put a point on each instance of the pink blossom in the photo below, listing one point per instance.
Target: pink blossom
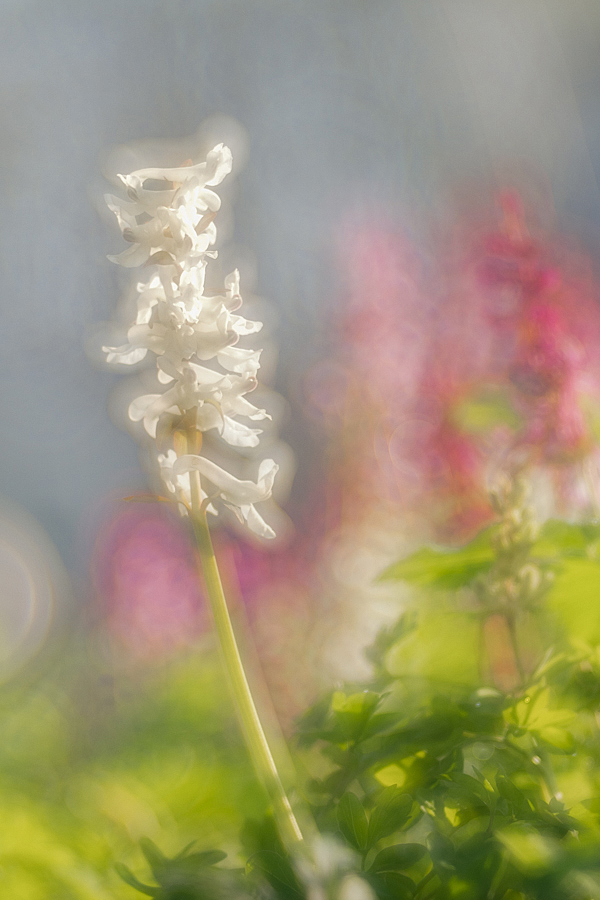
(148, 583)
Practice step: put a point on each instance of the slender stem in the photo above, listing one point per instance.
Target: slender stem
(253, 730)
(512, 631)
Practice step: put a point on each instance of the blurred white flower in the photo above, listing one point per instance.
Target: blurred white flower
(329, 871)
(168, 220)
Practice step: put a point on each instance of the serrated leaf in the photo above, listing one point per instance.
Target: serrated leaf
(397, 858)
(351, 714)
(352, 820)
(129, 878)
(463, 786)
(444, 569)
(391, 813)
(278, 872)
(509, 791)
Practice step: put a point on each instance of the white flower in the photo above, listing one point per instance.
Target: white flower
(177, 226)
(168, 220)
(239, 496)
(215, 399)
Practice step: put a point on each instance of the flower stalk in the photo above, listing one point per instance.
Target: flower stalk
(246, 708)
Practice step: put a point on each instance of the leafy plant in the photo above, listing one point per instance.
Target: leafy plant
(469, 771)
(479, 780)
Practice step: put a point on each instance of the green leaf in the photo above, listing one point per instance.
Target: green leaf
(443, 648)
(537, 714)
(558, 538)
(391, 813)
(397, 858)
(155, 857)
(392, 886)
(531, 852)
(185, 850)
(129, 878)
(346, 718)
(471, 789)
(559, 738)
(575, 598)
(200, 860)
(444, 569)
(311, 725)
(509, 791)
(278, 872)
(442, 851)
(593, 804)
(360, 704)
(353, 820)
(388, 635)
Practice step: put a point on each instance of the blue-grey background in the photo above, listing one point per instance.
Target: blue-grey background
(345, 102)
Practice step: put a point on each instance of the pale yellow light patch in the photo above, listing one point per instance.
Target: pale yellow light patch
(574, 787)
(452, 816)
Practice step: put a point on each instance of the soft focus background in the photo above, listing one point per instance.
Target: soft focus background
(370, 128)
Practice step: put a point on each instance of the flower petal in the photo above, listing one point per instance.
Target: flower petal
(232, 489)
(136, 255)
(256, 523)
(238, 435)
(126, 354)
(237, 359)
(139, 407)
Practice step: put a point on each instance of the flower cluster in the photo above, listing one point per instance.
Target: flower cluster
(168, 219)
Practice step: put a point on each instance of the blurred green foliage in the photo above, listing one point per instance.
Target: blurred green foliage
(93, 759)
(470, 767)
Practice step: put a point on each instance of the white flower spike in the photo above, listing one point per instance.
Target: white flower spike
(168, 221)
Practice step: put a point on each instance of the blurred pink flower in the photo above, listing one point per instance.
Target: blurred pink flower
(382, 323)
(148, 583)
(500, 309)
(555, 325)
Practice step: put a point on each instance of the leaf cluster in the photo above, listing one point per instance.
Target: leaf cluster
(452, 787)
(186, 876)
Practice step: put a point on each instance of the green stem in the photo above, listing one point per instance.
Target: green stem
(253, 730)
(512, 631)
